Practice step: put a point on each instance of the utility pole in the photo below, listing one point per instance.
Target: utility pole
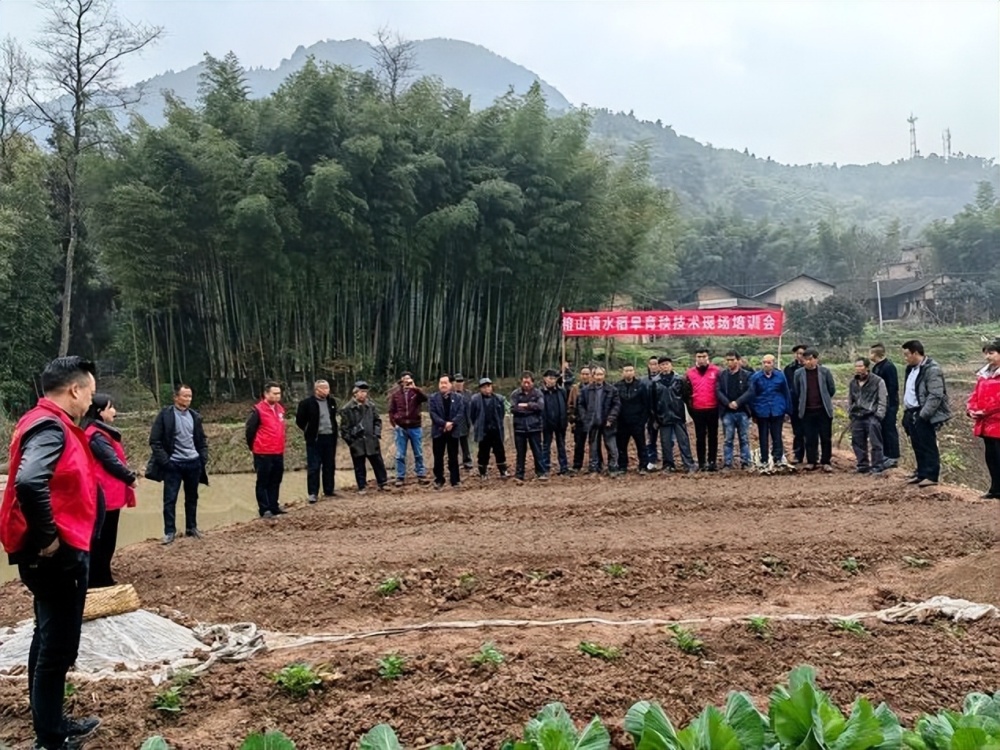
(914, 151)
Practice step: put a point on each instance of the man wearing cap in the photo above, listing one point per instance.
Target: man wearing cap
(554, 421)
(447, 416)
(361, 428)
(404, 416)
(458, 388)
(486, 413)
(527, 405)
(316, 416)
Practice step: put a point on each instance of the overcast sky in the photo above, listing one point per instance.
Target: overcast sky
(798, 80)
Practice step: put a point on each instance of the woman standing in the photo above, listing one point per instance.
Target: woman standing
(115, 481)
(984, 409)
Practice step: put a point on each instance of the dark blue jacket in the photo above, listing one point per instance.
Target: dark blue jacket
(477, 414)
(554, 413)
(438, 420)
(771, 396)
(529, 418)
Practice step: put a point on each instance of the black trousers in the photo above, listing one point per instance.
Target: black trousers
(361, 473)
(270, 470)
(492, 442)
(579, 446)
(548, 434)
(522, 440)
(923, 438)
(637, 434)
(706, 435)
(890, 433)
(102, 549)
(177, 473)
(798, 437)
(321, 459)
(818, 429)
(466, 452)
(769, 429)
(59, 586)
(993, 463)
(440, 445)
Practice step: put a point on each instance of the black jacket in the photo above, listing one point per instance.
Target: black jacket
(555, 416)
(457, 415)
(734, 386)
(161, 440)
(668, 395)
(634, 399)
(599, 406)
(307, 417)
(790, 369)
(887, 371)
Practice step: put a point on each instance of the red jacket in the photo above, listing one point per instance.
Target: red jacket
(404, 407)
(986, 397)
(703, 387)
(269, 439)
(72, 489)
(117, 494)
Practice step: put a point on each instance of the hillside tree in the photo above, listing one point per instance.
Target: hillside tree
(74, 88)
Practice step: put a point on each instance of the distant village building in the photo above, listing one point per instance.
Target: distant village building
(802, 288)
(905, 287)
(715, 296)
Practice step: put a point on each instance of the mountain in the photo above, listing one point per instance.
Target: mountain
(474, 70)
(917, 191)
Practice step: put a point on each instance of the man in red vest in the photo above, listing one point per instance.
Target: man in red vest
(266, 440)
(704, 408)
(47, 519)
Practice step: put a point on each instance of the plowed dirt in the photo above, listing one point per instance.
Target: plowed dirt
(641, 547)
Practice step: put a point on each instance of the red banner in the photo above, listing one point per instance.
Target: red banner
(766, 323)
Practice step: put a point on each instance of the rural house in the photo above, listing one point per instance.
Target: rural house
(801, 288)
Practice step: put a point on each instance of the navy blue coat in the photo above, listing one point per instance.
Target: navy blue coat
(438, 420)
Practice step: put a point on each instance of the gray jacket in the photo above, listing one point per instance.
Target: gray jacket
(932, 393)
(361, 428)
(869, 399)
(827, 389)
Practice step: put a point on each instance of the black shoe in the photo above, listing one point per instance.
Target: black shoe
(990, 496)
(712, 467)
(279, 512)
(194, 534)
(81, 727)
(862, 470)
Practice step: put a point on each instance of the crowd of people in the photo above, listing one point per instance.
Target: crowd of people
(69, 476)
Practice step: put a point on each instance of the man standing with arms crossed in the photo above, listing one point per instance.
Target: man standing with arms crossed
(47, 519)
(266, 440)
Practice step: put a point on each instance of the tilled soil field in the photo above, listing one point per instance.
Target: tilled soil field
(708, 546)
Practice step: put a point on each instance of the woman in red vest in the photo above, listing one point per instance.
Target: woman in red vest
(984, 409)
(115, 480)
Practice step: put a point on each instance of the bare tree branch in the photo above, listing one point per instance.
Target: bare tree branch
(74, 87)
(14, 117)
(395, 60)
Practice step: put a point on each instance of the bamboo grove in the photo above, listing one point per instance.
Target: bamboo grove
(334, 229)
